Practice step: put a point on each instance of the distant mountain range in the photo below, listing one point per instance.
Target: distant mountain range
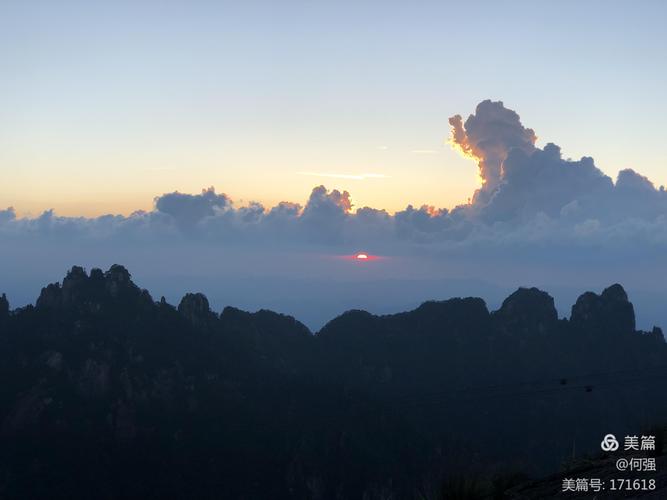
(107, 393)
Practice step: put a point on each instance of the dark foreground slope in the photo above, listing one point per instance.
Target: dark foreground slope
(106, 393)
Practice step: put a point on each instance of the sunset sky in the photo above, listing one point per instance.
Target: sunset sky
(104, 106)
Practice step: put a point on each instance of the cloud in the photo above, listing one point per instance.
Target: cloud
(7, 215)
(488, 136)
(541, 181)
(630, 181)
(324, 202)
(188, 209)
(422, 224)
(530, 196)
(325, 214)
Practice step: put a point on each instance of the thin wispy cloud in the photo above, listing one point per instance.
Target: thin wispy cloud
(334, 175)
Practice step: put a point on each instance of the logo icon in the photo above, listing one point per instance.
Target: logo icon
(609, 443)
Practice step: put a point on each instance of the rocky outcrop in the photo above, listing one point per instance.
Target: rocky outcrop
(609, 314)
(94, 292)
(528, 311)
(4, 306)
(50, 297)
(118, 280)
(196, 309)
(76, 288)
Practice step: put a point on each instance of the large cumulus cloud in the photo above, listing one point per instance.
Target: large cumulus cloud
(488, 136)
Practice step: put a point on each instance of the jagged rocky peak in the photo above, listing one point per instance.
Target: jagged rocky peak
(657, 334)
(118, 278)
(118, 274)
(609, 313)
(91, 291)
(96, 274)
(615, 293)
(195, 307)
(527, 310)
(4, 306)
(74, 288)
(50, 297)
(77, 273)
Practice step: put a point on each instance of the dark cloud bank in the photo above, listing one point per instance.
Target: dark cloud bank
(537, 219)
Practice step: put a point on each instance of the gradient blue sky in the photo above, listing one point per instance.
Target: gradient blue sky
(105, 105)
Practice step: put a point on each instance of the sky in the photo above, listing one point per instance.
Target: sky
(106, 105)
(248, 149)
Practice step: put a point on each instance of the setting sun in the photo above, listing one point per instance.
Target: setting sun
(361, 256)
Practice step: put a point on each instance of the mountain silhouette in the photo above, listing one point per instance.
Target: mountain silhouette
(107, 393)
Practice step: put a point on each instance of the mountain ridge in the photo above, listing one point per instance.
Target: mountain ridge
(118, 278)
(144, 398)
